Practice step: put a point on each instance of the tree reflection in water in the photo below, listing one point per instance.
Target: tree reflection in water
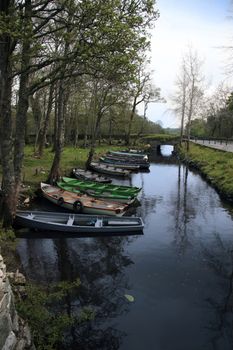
(220, 260)
(148, 201)
(182, 210)
(99, 263)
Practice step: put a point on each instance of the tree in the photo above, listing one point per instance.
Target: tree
(141, 91)
(180, 97)
(7, 46)
(49, 43)
(217, 113)
(189, 90)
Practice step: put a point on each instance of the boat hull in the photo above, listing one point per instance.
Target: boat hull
(89, 204)
(90, 176)
(99, 195)
(89, 185)
(109, 170)
(59, 222)
(132, 165)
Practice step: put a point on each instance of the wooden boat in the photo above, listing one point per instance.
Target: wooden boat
(135, 151)
(110, 170)
(82, 174)
(108, 195)
(77, 223)
(81, 203)
(130, 154)
(120, 163)
(125, 158)
(84, 185)
(125, 162)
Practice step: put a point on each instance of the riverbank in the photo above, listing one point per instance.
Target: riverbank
(216, 166)
(36, 170)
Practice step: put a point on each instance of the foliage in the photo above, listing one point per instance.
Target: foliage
(216, 115)
(198, 128)
(52, 46)
(160, 137)
(43, 309)
(8, 248)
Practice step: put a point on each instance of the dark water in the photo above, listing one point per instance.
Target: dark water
(180, 272)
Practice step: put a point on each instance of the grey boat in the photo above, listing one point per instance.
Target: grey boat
(76, 223)
(81, 174)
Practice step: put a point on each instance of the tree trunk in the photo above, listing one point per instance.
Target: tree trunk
(110, 131)
(44, 130)
(55, 119)
(127, 140)
(93, 141)
(61, 106)
(7, 194)
(21, 115)
(37, 114)
(8, 198)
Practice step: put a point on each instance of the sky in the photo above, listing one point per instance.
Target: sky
(202, 24)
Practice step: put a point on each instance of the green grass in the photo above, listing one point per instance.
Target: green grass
(216, 165)
(36, 170)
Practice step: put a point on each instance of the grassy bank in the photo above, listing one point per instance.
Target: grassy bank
(37, 169)
(216, 166)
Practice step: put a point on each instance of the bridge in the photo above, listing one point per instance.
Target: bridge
(160, 140)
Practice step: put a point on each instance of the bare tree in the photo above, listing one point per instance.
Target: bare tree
(189, 91)
(141, 91)
(180, 97)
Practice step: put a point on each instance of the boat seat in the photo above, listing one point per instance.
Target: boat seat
(99, 223)
(30, 216)
(70, 221)
(122, 223)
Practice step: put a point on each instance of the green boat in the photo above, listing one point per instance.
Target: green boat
(116, 197)
(84, 185)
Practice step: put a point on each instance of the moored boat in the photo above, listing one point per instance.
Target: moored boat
(126, 162)
(76, 223)
(99, 194)
(83, 185)
(82, 174)
(81, 203)
(120, 163)
(109, 169)
(130, 154)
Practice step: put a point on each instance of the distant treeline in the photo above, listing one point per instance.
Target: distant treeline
(78, 126)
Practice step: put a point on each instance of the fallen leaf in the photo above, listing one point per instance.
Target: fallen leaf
(129, 298)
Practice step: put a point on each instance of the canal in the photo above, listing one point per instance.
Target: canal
(179, 272)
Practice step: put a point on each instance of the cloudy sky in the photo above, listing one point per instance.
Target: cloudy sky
(203, 24)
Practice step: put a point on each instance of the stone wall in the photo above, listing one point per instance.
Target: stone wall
(14, 332)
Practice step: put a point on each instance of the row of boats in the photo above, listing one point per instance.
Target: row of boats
(121, 163)
(92, 194)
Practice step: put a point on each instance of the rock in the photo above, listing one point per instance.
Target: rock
(17, 278)
(10, 342)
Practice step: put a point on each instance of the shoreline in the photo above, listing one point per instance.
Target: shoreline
(215, 166)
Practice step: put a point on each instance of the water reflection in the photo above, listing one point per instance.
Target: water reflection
(182, 211)
(180, 271)
(100, 265)
(220, 260)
